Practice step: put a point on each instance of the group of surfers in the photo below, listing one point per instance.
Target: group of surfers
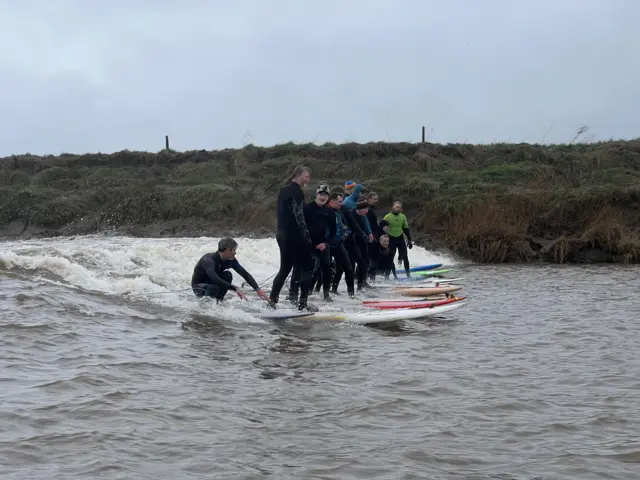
(337, 233)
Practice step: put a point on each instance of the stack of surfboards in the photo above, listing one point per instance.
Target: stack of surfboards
(425, 293)
(426, 288)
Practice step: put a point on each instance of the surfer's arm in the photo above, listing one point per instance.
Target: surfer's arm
(405, 229)
(246, 275)
(332, 225)
(367, 226)
(352, 223)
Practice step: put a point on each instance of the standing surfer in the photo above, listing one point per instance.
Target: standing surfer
(293, 238)
(397, 225)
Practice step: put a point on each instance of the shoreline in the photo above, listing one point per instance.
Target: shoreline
(484, 203)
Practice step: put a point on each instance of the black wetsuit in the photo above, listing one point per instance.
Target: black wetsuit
(210, 276)
(355, 257)
(321, 225)
(372, 216)
(362, 242)
(383, 263)
(295, 243)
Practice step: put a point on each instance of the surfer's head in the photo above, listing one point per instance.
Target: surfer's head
(384, 241)
(362, 208)
(335, 201)
(301, 175)
(349, 185)
(322, 194)
(227, 248)
(396, 207)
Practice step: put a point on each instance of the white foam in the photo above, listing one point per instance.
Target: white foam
(126, 266)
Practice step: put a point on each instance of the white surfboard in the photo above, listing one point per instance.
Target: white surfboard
(381, 316)
(282, 315)
(427, 282)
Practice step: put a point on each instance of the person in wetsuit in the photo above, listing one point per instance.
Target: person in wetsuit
(363, 241)
(338, 250)
(294, 240)
(322, 226)
(211, 277)
(372, 217)
(383, 263)
(397, 225)
(354, 191)
(319, 220)
(352, 230)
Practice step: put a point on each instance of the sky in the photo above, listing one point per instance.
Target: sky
(82, 76)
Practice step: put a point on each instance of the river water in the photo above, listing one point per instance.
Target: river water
(537, 378)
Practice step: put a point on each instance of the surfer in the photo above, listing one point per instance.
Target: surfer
(372, 217)
(397, 225)
(322, 226)
(362, 241)
(211, 277)
(354, 191)
(336, 244)
(383, 262)
(293, 239)
(352, 230)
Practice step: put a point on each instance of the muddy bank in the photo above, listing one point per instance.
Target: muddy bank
(489, 203)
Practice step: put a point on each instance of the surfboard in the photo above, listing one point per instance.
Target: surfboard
(430, 282)
(421, 291)
(380, 316)
(428, 298)
(414, 304)
(424, 267)
(434, 272)
(282, 315)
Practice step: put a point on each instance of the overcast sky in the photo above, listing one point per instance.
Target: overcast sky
(87, 75)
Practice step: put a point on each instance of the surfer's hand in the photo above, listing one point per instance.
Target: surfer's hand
(262, 295)
(240, 293)
(321, 246)
(371, 238)
(409, 245)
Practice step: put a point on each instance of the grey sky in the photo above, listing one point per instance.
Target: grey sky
(87, 75)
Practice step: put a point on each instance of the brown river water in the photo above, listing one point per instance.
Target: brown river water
(108, 371)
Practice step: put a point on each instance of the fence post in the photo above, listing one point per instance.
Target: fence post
(423, 134)
(166, 142)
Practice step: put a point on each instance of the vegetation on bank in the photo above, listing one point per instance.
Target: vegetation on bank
(490, 203)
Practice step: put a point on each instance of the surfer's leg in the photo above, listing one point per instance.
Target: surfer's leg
(356, 258)
(218, 291)
(343, 262)
(325, 268)
(363, 247)
(287, 258)
(404, 255)
(294, 285)
(212, 290)
(308, 263)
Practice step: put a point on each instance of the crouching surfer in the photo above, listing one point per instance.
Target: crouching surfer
(383, 263)
(211, 277)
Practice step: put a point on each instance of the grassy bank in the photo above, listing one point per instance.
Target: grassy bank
(493, 203)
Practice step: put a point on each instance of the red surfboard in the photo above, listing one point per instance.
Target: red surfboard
(413, 303)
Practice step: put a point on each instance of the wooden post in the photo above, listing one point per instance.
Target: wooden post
(423, 135)
(166, 142)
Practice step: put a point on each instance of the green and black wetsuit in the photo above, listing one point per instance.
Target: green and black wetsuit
(398, 225)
